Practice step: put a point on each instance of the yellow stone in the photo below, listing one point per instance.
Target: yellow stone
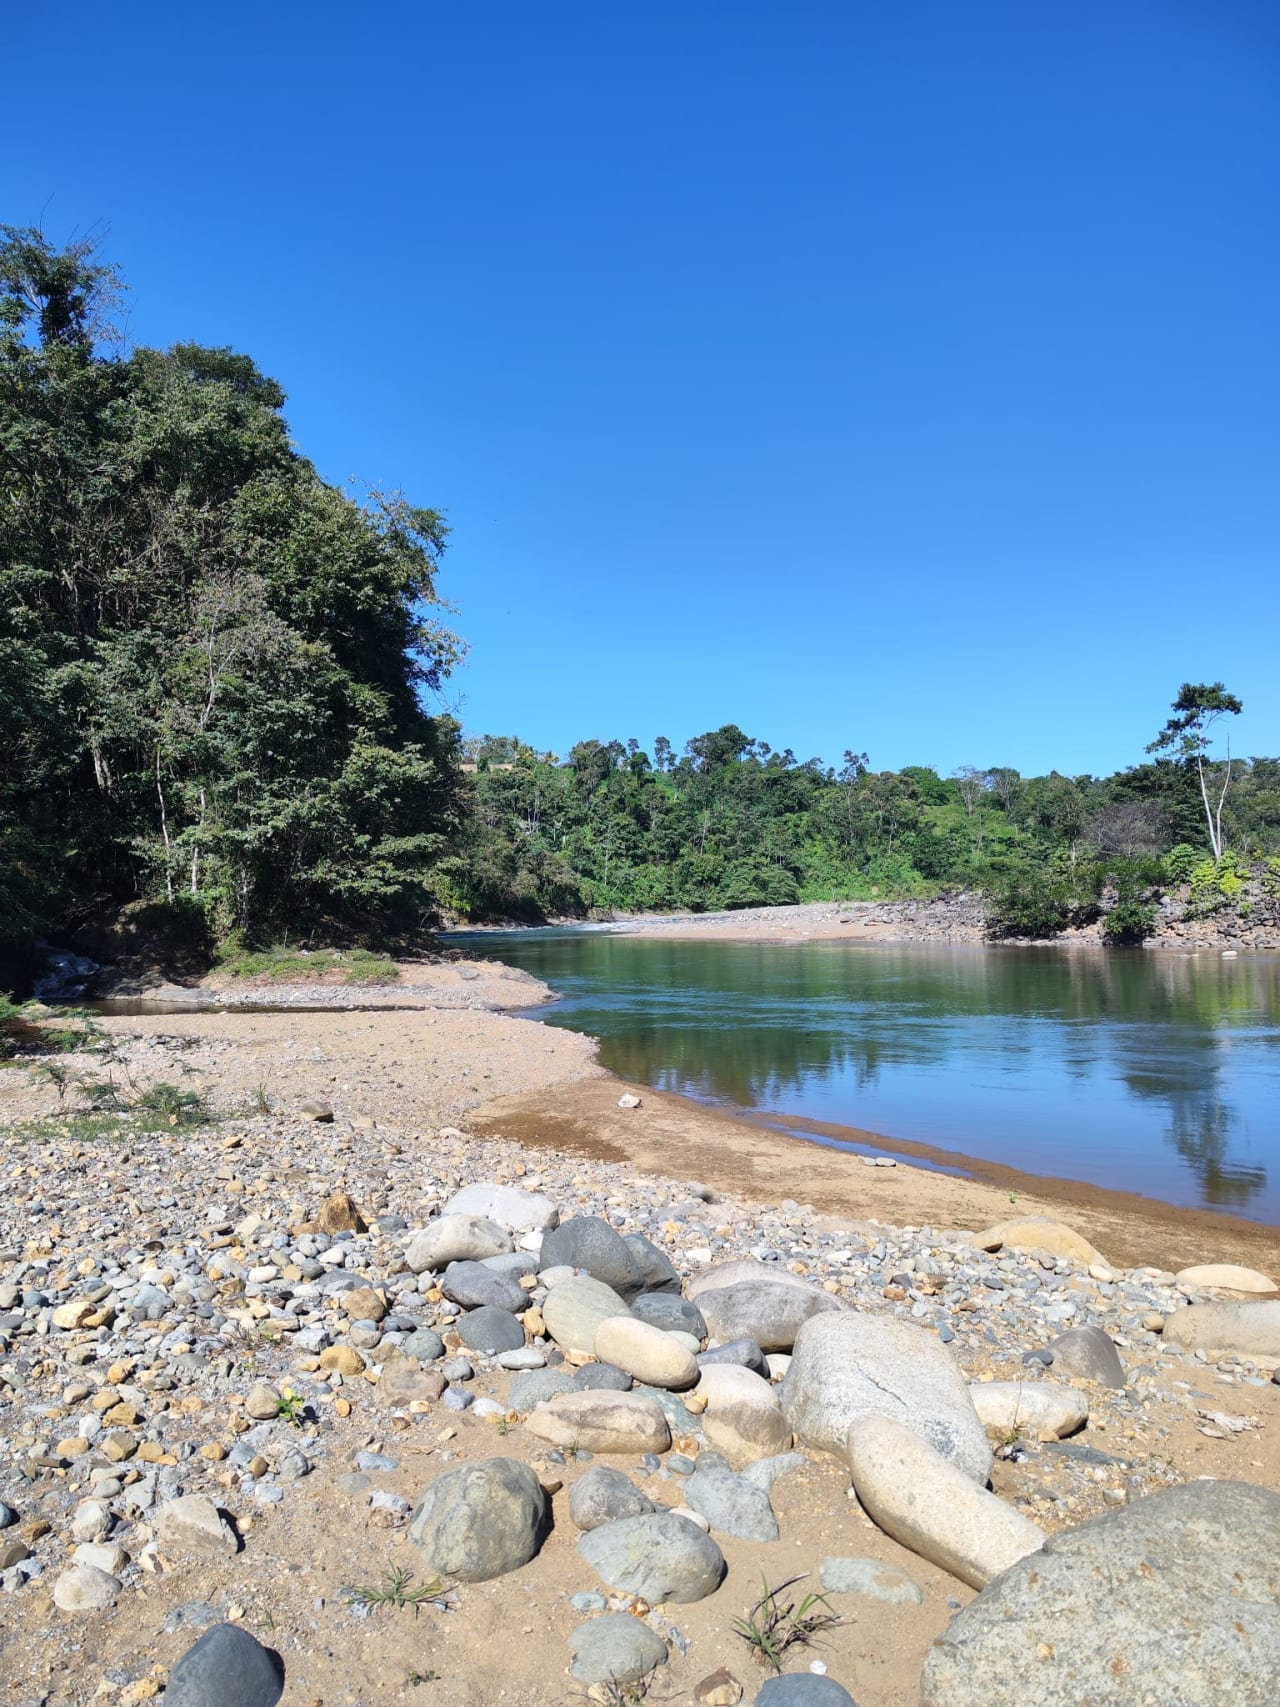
(72, 1447)
(122, 1415)
(344, 1358)
(342, 1407)
(214, 1451)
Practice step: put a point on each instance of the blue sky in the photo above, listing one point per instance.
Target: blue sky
(899, 377)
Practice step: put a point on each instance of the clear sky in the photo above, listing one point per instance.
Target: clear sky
(891, 376)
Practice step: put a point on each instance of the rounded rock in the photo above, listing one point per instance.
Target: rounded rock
(615, 1649)
(647, 1353)
(481, 1520)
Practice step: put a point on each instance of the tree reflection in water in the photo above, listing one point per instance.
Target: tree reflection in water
(1146, 1070)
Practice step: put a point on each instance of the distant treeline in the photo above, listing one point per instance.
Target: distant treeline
(216, 678)
(732, 823)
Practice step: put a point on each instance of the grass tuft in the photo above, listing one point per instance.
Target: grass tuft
(773, 1625)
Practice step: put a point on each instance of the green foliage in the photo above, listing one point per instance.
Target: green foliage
(165, 1105)
(774, 1624)
(1045, 901)
(1217, 884)
(1180, 862)
(282, 964)
(393, 1589)
(1132, 914)
(213, 661)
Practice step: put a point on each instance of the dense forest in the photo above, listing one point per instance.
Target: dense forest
(219, 716)
(731, 823)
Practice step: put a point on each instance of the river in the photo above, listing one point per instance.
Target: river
(1141, 1071)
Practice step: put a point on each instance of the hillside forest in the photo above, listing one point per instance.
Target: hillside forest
(221, 717)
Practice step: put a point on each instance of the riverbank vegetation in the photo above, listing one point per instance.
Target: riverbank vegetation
(221, 726)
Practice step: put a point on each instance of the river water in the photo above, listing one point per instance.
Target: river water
(1141, 1071)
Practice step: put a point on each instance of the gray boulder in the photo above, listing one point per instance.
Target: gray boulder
(767, 1311)
(656, 1267)
(575, 1308)
(473, 1285)
(1245, 1329)
(659, 1557)
(1087, 1354)
(615, 1649)
(604, 1495)
(671, 1313)
(456, 1238)
(510, 1206)
(226, 1668)
(589, 1242)
(1174, 1599)
(853, 1364)
(731, 1504)
(481, 1520)
(489, 1329)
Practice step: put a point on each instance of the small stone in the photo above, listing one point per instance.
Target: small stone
(84, 1588)
(628, 1100)
(1087, 1354)
(803, 1689)
(604, 1495)
(616, 1649)
(192, 1524)
(314, 1109)
(338, 1214)
(263, 1403)
(719, 1688)
(344, 1359)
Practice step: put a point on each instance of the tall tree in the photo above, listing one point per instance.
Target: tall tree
(1198, 707)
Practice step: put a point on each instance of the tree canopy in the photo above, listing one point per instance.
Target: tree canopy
(214, 661)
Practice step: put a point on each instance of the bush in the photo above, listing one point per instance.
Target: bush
(1180, 862)
(1040, 903)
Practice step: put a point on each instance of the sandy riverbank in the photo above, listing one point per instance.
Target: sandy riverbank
(436, 1050)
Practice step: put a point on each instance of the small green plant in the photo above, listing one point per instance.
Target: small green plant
(281, 964)
(58, 1075)
(394, 1590)
(291, 1408)
(773, 1624)
(416, 1677)
(171, 1106)
(260, 1102)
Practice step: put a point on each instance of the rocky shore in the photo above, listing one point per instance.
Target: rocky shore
(956, 918)
(333, 1401)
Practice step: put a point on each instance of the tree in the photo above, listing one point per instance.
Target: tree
(1197, 708)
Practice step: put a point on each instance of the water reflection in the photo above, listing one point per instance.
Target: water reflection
(1149, 1071)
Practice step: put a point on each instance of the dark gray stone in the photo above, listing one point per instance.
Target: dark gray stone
(659, 1272)
(1087, 1354)
(605, 1495)
(615, 1649)
(481, 1520)
(746, 1354)
(671, 1313)
(474, 1284)
(1173, 1599)
(660, 1557)
(590, 1243)
(804, 1689)
(536, 1386)
(603, 1378)
(226, 1668)
(489, 1329)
